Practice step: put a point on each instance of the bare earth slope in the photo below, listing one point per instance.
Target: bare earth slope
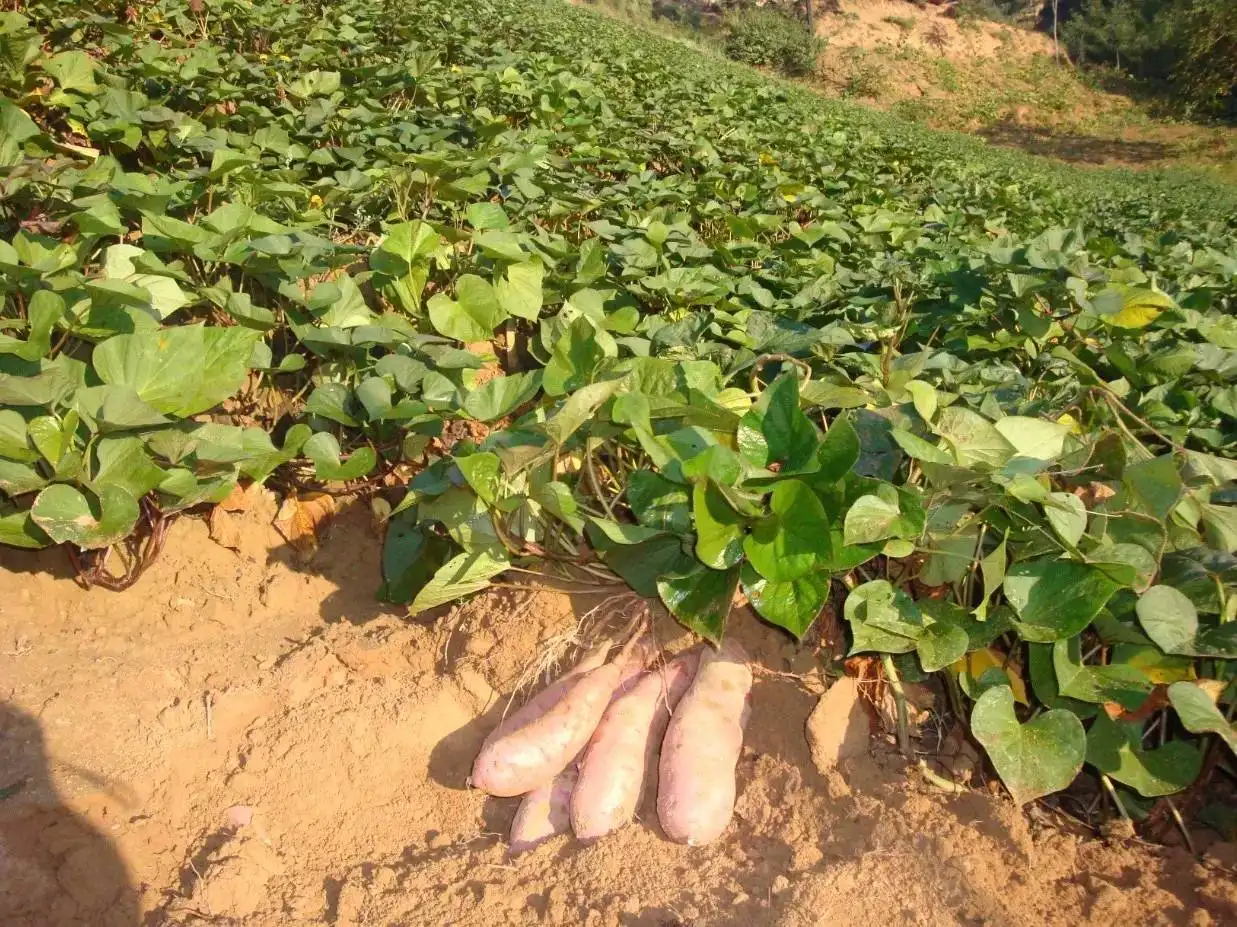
(241, 741)
(1002, 82)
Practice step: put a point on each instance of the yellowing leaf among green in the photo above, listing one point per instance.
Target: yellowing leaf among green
(1130, 307)
(978, 662)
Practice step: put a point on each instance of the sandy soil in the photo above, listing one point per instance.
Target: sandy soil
(243, 739)
(872, 23)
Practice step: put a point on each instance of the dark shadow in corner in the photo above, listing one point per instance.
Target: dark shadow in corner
(51, 561)
(56, 868)
(451, 759)
(1073, 147)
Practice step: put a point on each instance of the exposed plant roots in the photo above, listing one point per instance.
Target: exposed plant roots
(136, 552)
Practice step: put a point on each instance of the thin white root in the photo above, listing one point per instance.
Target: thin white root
(577, 640)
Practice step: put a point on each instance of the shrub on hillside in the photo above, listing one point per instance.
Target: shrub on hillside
(766, 38)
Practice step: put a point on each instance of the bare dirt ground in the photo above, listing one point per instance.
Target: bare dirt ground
(244, 739)
(869, 23)
(1002, 82)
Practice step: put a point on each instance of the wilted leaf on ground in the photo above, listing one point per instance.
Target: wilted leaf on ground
(303, 520)
(224, 528)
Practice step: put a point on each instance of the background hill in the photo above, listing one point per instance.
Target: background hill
(949, 67)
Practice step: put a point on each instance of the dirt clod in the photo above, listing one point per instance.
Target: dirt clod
(838, 728)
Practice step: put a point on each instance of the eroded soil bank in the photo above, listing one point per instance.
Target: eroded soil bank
(245, 739)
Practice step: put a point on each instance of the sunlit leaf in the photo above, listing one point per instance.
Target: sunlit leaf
(1033, 759)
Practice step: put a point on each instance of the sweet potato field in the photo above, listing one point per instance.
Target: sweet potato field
(568, 299)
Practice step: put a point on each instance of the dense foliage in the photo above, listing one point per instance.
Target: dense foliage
(768, 38)
(622, 310)
(1191, 44)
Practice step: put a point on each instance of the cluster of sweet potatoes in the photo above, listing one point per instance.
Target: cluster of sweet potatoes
(579, 750)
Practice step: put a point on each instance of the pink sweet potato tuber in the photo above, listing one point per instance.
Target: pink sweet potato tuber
(537, 742)
(544, 812)
(696, 783)
(612, 771)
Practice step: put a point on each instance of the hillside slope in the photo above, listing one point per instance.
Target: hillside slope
(514, 274)
(1003, 83)
(933, 65)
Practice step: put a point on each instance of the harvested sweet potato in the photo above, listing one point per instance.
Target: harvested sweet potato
(612, 771)
(536, 743)
(696, 781)
(548, 697)
(544, 812)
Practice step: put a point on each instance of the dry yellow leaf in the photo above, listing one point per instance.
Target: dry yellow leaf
(224, 530)
(978, 662)
(1213, 687)
(1070, 422)
(302, 520)
(237, 500)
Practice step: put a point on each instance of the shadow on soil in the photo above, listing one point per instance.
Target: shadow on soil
(1074, 147)
(349, 556)
(52, 562)
(56, 868)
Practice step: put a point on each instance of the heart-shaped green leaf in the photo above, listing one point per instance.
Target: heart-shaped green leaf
(1169, 618)
(411, 555)
(941, 644)
(323, 449)
(1171, 621)
(719, 528)
(775, 430)
(178, 371)
(1199, 713)
(792, 605)
(1067, 515)
(483, 473)
(1126, 685)
(462, 575)
(1056, 599)
(659, 503)
(794, 539)
(838, 452)
(17, 529)
(643, 565)
(88, 521)
(701, 599)
(519, 293)
(1115, 748)
(974, 440)
(472, 315)
(882, 618)
(1033, 759)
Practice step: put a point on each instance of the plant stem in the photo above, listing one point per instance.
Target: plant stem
(1112, 793)
(769, 358)
(1120, 407)
(955, 694)
(591, 470)
(899, 699)
(1185, 832)
(945, 785)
